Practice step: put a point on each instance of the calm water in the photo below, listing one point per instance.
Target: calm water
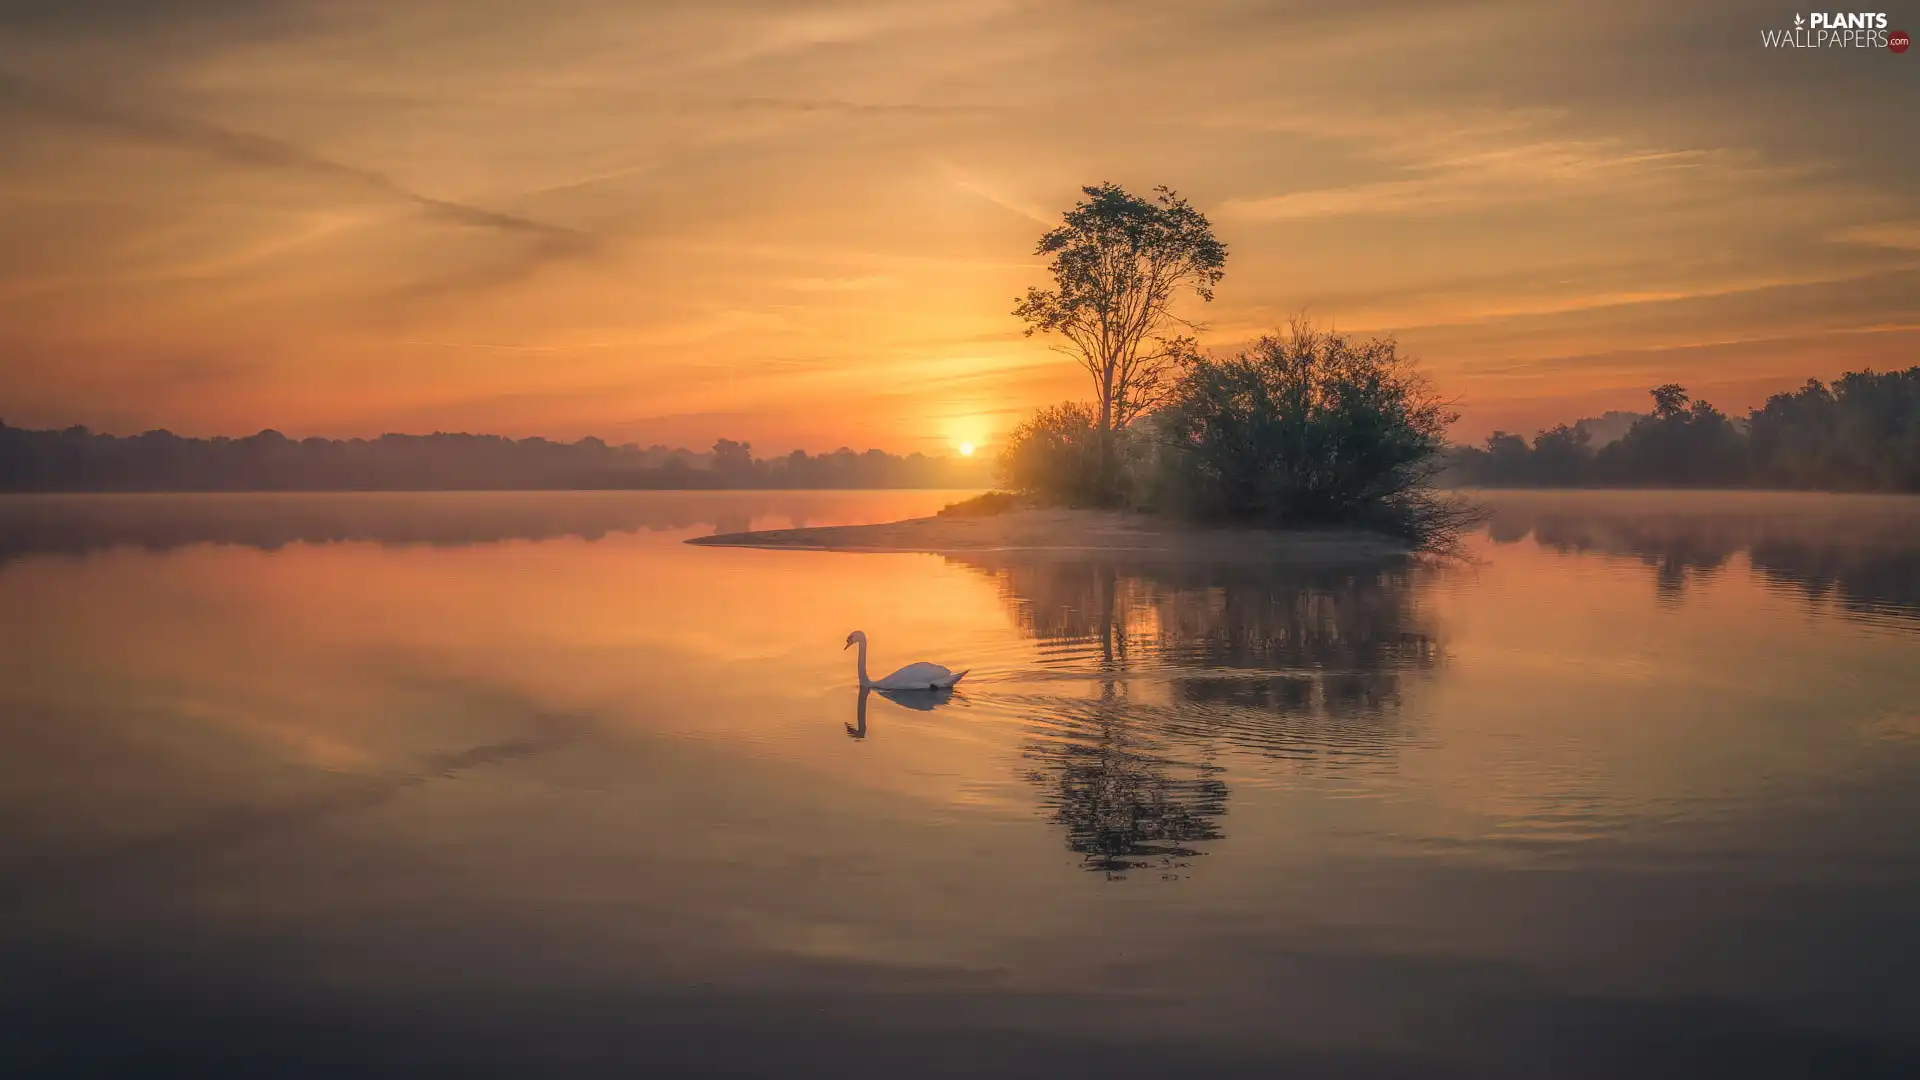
(521, 784)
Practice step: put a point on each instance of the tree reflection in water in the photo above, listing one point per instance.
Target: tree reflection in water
(1125, 801)
(1860, 552)
(1190, 662)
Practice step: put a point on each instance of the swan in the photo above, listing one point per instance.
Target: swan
(920, 676)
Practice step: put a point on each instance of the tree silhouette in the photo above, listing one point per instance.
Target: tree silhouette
(1669, 401)
(1315, 426)
(1862, 433)
(76, 459)
(732, 458)
(1119, 263)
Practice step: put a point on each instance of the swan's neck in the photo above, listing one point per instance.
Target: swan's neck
(864, 681)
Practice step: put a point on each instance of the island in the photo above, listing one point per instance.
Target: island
(1073, 532)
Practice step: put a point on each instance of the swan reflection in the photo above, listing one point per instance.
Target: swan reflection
(917, 700)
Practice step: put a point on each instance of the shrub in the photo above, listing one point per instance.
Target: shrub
(1313, 427)
(1055, 456)
(986, 504)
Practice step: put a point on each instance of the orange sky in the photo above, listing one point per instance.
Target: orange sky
(804, 223)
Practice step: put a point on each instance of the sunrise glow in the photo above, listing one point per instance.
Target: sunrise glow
(805, 226)
(782, 538)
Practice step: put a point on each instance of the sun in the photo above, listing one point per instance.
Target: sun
(966, 449)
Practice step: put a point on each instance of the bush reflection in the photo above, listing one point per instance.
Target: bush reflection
(1178, 664)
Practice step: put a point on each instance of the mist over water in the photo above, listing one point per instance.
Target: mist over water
(497, 783)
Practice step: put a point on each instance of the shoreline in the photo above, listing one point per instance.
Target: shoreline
(1069, 532)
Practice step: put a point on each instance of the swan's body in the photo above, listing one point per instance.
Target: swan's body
(920, 676)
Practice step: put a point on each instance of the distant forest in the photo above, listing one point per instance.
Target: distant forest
(76, 459)
(1861, 433)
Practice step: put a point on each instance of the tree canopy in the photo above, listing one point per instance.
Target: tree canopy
(1119, 264)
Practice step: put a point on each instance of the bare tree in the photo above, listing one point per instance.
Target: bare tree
(1119, 263)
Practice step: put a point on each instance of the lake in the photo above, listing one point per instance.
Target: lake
(521, 784)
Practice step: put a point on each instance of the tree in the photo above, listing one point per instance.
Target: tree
(732, 458)
(1685, 443)
(1561, 454)
(1314, 428)
(1862, 433)
(1119, 263)
(1508, 459)
(1669, 401)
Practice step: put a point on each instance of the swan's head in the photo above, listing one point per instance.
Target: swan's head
(858, 637)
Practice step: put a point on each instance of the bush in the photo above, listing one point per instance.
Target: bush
(987, 504)
(1313, 427)
(1055, 456)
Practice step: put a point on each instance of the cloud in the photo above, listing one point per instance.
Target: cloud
(140, 18)
(997, 195)
(865, 283)
(1901, 235)
(851, 108)
(824, 207)
(1525, 171)
(262, 152)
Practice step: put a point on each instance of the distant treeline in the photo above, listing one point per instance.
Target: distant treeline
(1862, 433)
(76, 459)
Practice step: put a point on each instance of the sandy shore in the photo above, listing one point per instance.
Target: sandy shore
(1074, 531)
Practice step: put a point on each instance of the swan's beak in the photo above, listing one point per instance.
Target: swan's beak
(847, 646)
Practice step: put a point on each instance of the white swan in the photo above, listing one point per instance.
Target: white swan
(920, 676)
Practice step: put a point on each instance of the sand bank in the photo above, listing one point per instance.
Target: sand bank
(1075, 531)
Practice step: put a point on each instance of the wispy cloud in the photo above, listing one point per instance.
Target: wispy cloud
(997, 195)
(262, 152)
(1902, 235)
(1529, 171)
(866, 283)
(848, 108)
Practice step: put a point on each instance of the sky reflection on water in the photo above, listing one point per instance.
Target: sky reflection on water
(500, 782)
